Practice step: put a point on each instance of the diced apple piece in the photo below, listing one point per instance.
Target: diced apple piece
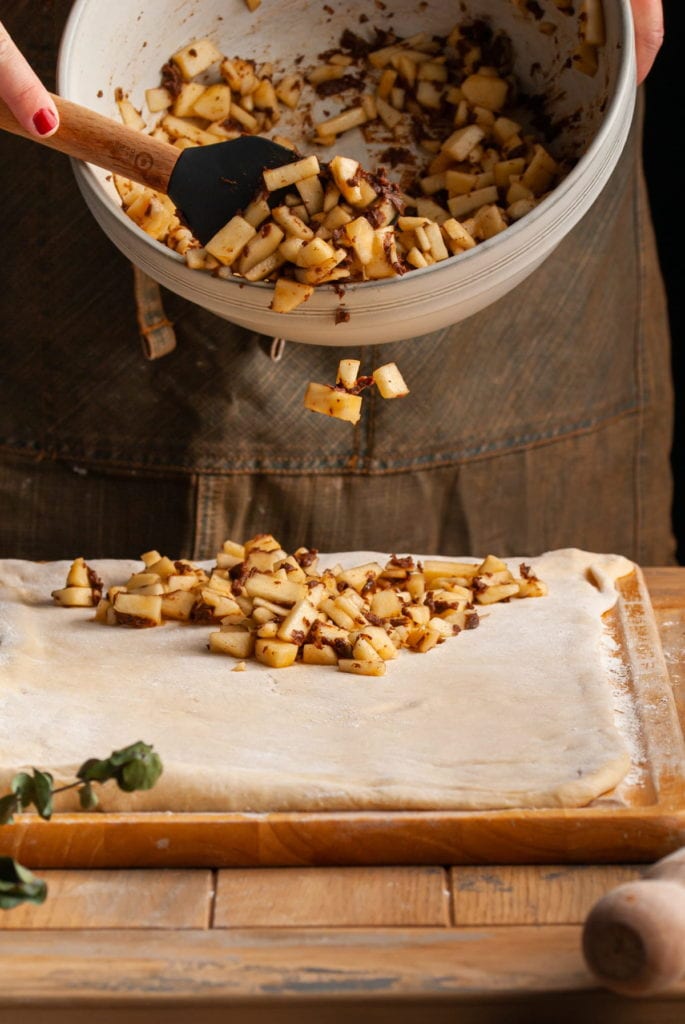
(325, 273)
(158, 99)
(288, 295)
(163, 567)
(240, 75)
(434, 569)
(297, 623)
(74, 597)
(491, 564)
(230, 547)
(354, 117)
(129, 115)
(289, 90)
(461, 142)
(532, 587)
(214, 104)
(311, 191)
(489, 221)
(348, 372)
(181, 581)
(497, 592)
(220, 604)
(541, 171)
(379, 641)
(313, 655)
(428, 639)
(178, 605)
(140, 610)
(195, 58)
(362, 237)
(292, 224)
(275, 653)
(387, 113)
(141, 579)
(488, 91)
(390, 382)
(315, 253)
(386, 604)
(78, 575)
(289, 174)
(260, 247)
(266, 268)
(458, 238)
(104, 613)
(235, 641)
(280, 591)
(184, 103)
(331, 402)
(228, 243)
(460, 206)
(181, 128)
(359, 577)
(362, 668)
(346, 175)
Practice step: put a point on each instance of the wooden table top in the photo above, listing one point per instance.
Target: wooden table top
(387, 944)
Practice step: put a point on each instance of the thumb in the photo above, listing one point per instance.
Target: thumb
(23, 92)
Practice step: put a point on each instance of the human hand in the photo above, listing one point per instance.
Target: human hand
(648, 16)
(23, 92)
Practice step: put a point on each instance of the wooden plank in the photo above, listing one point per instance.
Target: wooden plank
(666, 585)
(332, 897)
(592, 1007)
(671, 623)
(283, 963)
(117, 899)
(661, 734)
(236, 966)
(527, 894)
(586, 835)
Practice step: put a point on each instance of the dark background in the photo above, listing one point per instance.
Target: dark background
(665, 178)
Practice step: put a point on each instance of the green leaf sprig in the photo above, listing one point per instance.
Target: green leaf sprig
(135, 767)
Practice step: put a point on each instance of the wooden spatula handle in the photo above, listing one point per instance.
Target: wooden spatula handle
(634, 937)
(100, 140)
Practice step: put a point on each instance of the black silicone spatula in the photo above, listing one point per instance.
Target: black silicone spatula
(208, 184)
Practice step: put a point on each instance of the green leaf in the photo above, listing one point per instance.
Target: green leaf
(22, 786)
(94, 770)
(34, 789)
(19, 885)
(132, 753)
(87, 797)
(140, 773)
(133, 767)
(9, 806)
(42, 793)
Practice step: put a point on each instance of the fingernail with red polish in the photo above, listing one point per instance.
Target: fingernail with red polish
(44, 121)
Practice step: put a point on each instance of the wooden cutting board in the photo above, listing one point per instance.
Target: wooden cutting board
(642, 820)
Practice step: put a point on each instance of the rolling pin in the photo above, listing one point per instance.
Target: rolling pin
(634, 937)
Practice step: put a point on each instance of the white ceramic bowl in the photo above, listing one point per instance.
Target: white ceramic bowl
(124, 44)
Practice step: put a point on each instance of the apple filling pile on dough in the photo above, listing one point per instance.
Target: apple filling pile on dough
(452, 99)
(280, 608)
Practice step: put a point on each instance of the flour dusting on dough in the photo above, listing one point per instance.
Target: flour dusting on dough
(520, 712)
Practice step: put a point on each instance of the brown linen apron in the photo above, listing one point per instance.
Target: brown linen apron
(541, 422)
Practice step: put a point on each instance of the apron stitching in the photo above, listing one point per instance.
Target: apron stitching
(340, 467)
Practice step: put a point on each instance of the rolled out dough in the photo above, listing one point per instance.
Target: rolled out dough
(516, 713)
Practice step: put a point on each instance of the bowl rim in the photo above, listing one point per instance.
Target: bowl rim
(624, 89)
